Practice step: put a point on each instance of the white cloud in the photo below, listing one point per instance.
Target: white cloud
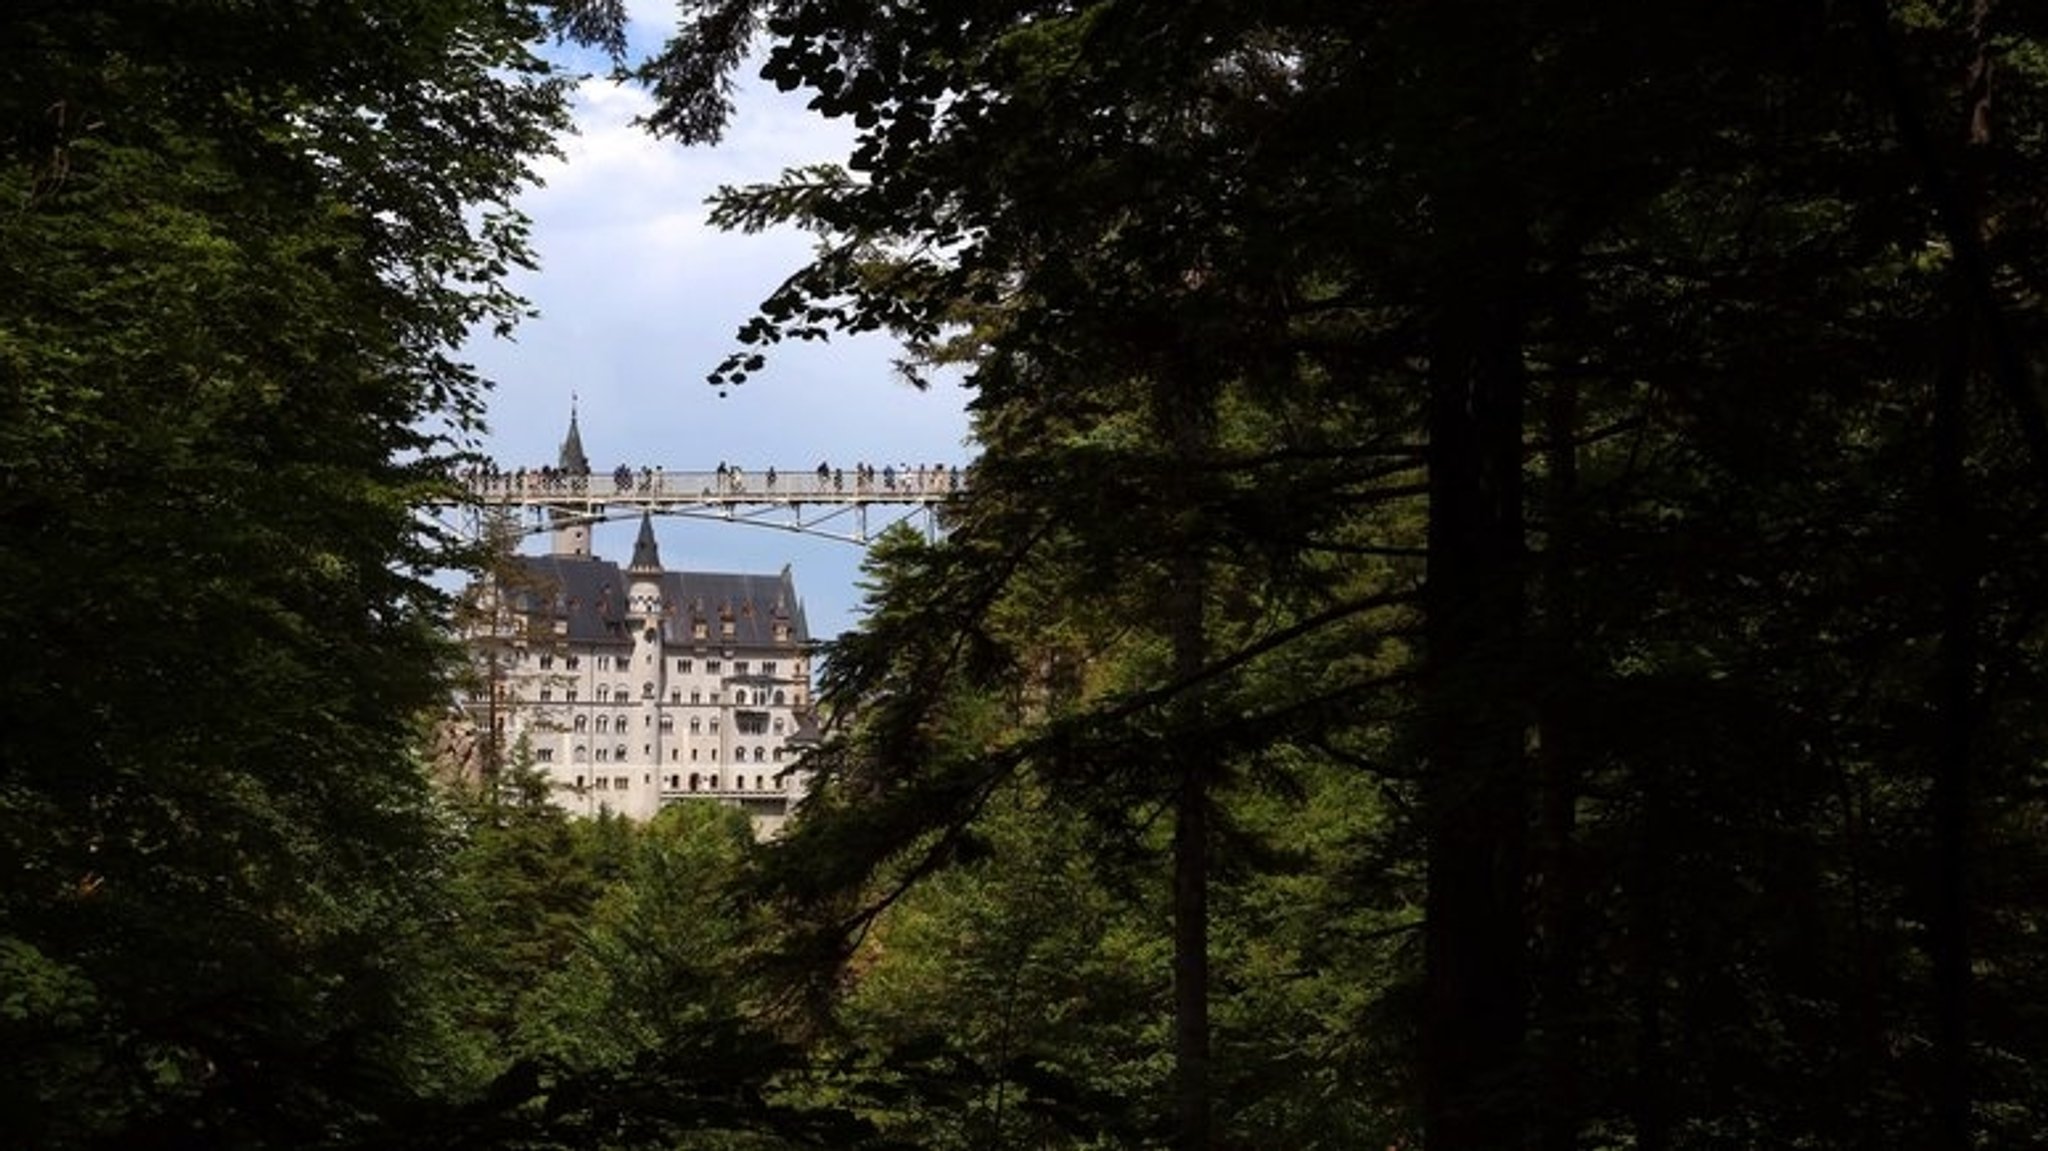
(639, 298)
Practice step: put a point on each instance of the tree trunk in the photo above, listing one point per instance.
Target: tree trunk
(1955, 692)
(1650, 1096)
(1949, 798)
(1185, 410)
(1560, 1002)
(1191, 959)
(1473, 59)
(1475, 964)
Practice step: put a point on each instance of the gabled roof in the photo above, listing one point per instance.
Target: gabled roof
(590, 596)
(751, 603)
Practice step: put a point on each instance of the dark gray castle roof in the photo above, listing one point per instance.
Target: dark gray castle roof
(591, 596)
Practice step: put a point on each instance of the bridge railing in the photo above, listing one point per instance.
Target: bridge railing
(927, 484)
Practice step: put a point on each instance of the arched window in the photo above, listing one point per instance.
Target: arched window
(619, 722)
(668, 723)
(778, 755)
(778, 695)
(582, 754)
(582, 722)
(693, 781)
(604, 723)
(740, 696)
(647, 690)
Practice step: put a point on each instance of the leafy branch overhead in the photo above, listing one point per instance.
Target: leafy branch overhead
(1619, 360)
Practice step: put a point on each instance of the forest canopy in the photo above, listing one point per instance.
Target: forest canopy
(1500, 605)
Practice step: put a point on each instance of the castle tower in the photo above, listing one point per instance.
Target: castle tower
(644, 575)
(572, 533)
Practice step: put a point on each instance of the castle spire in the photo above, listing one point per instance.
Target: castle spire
(571, 532)
(646, 554)
(573, 460)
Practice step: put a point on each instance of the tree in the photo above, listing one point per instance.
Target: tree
(1016, 1000)
(1689, 274)
(239, 247)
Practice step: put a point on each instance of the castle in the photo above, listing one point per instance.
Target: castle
(631, 688)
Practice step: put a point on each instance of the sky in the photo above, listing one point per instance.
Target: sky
(638, 298)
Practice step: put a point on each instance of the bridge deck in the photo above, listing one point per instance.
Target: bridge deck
(833, 504)
(666, 490)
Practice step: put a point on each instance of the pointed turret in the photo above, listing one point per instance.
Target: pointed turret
(646, 553)
(573, 460)
(572, 533)
(645, 573)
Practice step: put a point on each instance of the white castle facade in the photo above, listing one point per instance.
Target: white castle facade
(630, 688)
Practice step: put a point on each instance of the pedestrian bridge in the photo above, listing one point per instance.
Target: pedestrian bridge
(826, 501)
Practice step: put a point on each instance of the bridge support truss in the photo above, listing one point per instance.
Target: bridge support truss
(831, 503)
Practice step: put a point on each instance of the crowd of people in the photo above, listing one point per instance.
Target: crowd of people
(726, 480)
